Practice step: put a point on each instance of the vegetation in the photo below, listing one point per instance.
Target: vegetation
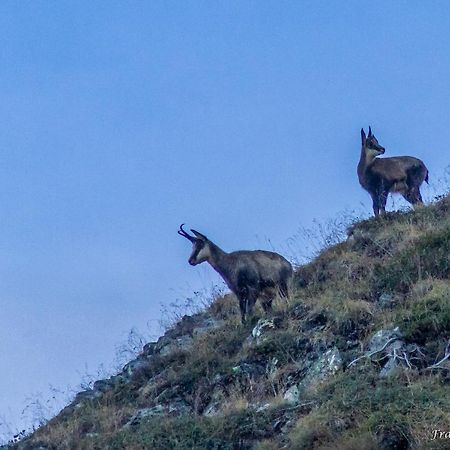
(226, 386)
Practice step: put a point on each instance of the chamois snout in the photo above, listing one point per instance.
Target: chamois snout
(192, 261)
(378, 148)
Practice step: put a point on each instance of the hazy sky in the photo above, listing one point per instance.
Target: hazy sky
(120, 120)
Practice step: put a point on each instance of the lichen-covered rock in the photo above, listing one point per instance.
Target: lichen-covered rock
(144, 413)
(108, 384)
(386, 300)
(328, 364)
(261, 328)
(178, 344)
(389, 347)
(382, 337)
(135, 365)
(178, 408)
(83, 396)
(292, 395)
(208, 324)
(217, 397)
(248, 369)
(149, 349)
(167, 394)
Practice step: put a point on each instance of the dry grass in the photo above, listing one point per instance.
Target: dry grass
(336, 303)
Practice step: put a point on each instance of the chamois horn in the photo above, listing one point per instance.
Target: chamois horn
(183, 233)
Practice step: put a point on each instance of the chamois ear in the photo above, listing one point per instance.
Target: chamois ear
(370, 131)
(363, 136)
(199, 235)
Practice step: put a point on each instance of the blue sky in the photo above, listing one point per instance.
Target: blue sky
(120, 120)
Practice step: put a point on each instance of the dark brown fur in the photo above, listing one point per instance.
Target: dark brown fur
(381, 176)
(249, 274)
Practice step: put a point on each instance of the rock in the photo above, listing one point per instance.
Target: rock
(261, 328)
(152, 385)
(145, 413)
(167, 394)
(213, 407)
(92, 435)
(149, 349)
(300, 312)
(250, 370)
(175, 408)
(178, 408)
(188, 324)
(180, 337)
(102, 386)
(84, 396)
(28, 447)
(211, 410)
(140, 363)
(218, 378)
(328, 364)
(208, 324)
(386, 300)
(381, 338)
(292, 395)
(390, 368)
(262, 408)
(287, 426)
(182, 327)
(389, 344)
(180, 343)
(106, 385)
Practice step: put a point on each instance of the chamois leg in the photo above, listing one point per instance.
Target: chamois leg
(413, 196)
(418, 196)
(379, 202)
(266, 299)
(243, 306)
(382, 201)
(247, 299)
(375, 205)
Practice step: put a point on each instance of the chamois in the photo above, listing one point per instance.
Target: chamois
(249, 274)
(381, 176)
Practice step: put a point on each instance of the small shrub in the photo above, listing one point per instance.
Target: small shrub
(427, 317)
(429, 256)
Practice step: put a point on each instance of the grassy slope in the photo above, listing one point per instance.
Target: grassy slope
(404, 256)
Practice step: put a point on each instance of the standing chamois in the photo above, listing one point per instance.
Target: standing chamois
(249, 274)
(380, 176)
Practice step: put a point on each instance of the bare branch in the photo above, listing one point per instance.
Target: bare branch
(446, 356)
(368, 355)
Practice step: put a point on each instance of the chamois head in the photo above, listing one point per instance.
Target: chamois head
(370, 144)
(201, 251)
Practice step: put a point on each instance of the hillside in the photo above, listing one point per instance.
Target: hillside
(356, 359)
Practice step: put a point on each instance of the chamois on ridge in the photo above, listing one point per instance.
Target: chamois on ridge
(381, 176)
(250, 274)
